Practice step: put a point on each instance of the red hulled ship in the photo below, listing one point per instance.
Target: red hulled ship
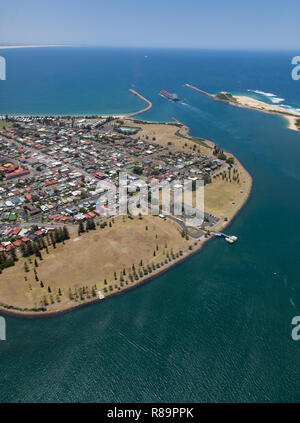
(169, 96)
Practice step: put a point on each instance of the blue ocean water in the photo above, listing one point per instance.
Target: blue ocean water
(218, 326)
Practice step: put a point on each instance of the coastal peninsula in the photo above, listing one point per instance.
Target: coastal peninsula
(58, 252)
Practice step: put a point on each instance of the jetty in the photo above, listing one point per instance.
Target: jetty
(142, 98)
(200, 91)
(221, 96)
(229, 238)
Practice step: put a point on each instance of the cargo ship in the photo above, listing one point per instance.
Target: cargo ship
(169, 96)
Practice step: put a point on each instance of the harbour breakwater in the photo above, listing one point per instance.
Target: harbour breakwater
(142, 98)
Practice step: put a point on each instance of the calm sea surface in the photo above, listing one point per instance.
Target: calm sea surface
(218, 326)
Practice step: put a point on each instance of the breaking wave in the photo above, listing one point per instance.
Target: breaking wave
(276, 100)
(263, 93)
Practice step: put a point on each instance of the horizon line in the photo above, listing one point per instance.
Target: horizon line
(4, 46)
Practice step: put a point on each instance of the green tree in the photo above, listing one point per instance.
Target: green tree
(23, 250)
(80, 228)
(13, 254)
(66, 233)
(29, 248)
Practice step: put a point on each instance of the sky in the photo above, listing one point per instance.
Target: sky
(229, 24)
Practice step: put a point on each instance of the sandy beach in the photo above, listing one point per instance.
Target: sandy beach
(292, 122)
(252, 103)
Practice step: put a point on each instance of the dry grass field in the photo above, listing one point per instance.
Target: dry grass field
(165, 134)
(221, 193)
(223, 198)
(89, 259)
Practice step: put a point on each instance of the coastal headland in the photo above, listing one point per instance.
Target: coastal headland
(247, 102)
(104, 256)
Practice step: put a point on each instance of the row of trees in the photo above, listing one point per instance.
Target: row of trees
(134, 274)
(45, 301)
(90, 225)
(234, 176)
(31, 248)
(34, 247)
(143, 270)
(77, 294)
(82, 293)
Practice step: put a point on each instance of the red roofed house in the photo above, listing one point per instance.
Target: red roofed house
(10, 247)
(18, 172)
(100, 175)
(16, 231)
(65, 218)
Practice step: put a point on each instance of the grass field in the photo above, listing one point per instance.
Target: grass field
(89, 259)
(220, 204)
(224, 198)
(196, 140)
(178, 137)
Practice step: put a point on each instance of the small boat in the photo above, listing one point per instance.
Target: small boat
(231, 239)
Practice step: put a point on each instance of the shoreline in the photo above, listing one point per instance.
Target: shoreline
(251, 103)
(98, 116)
(32, 46)
(223, 225)
(247, 198)
(248, 102)
(155, 274)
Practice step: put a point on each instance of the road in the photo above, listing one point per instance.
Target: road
(199, 232)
